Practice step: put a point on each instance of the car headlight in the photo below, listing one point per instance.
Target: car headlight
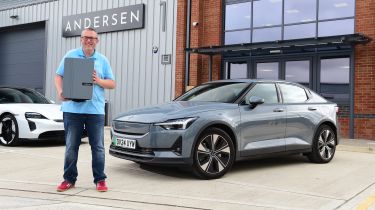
(34, 115)
(177, 124)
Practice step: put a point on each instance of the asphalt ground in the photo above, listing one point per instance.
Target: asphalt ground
(30, 173)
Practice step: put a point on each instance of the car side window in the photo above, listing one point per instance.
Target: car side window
(267, 91)
(293, 93)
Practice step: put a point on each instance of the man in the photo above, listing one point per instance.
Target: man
(88, 114)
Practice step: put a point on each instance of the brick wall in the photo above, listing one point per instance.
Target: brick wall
(364, 93)
(180, 47)
(208, 32)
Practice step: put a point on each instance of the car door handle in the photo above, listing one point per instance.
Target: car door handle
(278, 110)
(312, 108)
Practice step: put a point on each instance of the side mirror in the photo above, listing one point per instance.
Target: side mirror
(255, 101)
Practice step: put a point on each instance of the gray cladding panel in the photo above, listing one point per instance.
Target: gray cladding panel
(141, 79)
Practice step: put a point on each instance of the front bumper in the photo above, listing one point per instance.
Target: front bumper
(155, 146)
(151, 157)
(40, 128)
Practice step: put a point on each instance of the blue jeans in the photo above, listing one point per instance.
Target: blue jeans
(74, 125)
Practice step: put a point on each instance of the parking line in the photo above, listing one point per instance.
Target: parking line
(367, 203)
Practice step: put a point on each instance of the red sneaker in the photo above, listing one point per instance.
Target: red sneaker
(65, 185)
(101, 186)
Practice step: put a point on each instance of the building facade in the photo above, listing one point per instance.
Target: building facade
(35, 35)
(323, 44)
(177, 44)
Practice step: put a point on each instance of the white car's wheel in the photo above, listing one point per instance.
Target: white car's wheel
(9, 130)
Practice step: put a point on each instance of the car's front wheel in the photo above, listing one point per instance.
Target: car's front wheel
(213, 154)
(9, 130)
(324, 145)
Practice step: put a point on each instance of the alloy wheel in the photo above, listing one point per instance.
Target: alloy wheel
(213, 154)
(326, 144)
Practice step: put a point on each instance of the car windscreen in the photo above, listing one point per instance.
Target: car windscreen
(19, 95)
(224, 92)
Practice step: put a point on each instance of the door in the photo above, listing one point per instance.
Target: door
(301, 118)
(263, 127)
(22, 54)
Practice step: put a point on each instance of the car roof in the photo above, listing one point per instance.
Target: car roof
(249, 81)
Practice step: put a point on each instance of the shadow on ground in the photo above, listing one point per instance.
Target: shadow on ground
(246, 165)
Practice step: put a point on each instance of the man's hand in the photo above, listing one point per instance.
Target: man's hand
(95, 78)
(61, 96)
(104, 83)
(59, 87)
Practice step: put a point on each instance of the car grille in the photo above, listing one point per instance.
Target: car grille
(131, 128)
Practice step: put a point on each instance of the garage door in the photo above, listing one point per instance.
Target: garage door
(22, 54)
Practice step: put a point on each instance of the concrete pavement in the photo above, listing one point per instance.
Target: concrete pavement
(30, 173)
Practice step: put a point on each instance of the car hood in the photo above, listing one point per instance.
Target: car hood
(50, 111)
(172, 110)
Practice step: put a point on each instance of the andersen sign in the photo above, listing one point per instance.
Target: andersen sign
(118, 19)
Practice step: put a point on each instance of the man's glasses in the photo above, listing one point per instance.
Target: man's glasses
(89, 38)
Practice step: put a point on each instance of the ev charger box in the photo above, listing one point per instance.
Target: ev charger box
(77, 80)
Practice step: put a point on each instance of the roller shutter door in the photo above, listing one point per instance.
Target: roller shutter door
(22, 56)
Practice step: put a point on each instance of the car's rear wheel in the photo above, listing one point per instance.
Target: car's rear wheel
(324, 145)
(9, 130)
(213, 154)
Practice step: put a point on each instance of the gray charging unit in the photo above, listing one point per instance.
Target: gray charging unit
(77, 80)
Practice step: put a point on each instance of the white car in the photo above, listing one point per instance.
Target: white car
(27, 114)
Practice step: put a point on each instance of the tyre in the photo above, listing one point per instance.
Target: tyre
(324, 145)
(9, 130)
(213, 154)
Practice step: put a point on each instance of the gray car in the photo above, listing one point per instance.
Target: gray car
(217, 123)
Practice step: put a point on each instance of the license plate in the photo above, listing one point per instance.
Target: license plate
(125, 143)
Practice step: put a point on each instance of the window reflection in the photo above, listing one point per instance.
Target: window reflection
(237, 37)
(334, 79)
(238, 16)
(300, 31)
(329, 9)
(267, 13)
(298, 71)
(237, 70)
(267, 34)
(268, 70)
(338, 27)
(299, 11)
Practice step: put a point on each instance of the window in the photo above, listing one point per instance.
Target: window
(224, 92)
(237, 70)
(238, 23)
(293, 93)
(267, 34)
(334, 79)
(299, 11)
(300, 31)
(267, 70)
(238, 16)
(237, 37)
(337, 27)
(266, 91)
(331, 9)
(267, 13)
(298, 71)
(248, 21)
